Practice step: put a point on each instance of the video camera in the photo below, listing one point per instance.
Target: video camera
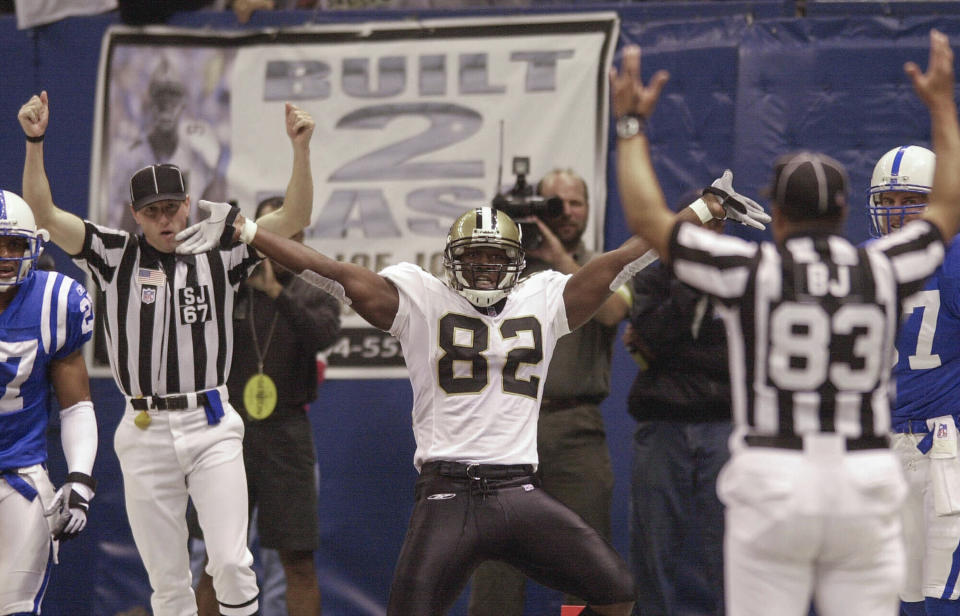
(521, 204)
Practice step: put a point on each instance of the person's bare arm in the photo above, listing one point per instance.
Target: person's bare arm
(372, 296)
(644, 206)
(589, 288)
(66, 229)
(551, 251)
(935, 89)
(70, 380)
(297, 206)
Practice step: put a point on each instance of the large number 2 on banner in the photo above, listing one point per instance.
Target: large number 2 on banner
(478, 334)
(801, 337)
(448, 124)
(16, 364)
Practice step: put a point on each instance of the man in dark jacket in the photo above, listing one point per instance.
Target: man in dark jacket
(681, 399)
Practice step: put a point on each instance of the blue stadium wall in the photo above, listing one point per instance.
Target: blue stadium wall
(749, 81)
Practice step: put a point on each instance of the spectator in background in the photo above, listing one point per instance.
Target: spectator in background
(272, 381)
(571, 440)
(681, 399)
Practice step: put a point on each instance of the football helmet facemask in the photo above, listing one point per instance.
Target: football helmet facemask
(488, 228)
(17, 221)
(907, 168)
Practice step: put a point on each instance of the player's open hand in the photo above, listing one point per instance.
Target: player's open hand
(299, 125)
(627, 91)
(69, 510)
(215, 231)
(34, 115)
(936, 85)
(735, 206)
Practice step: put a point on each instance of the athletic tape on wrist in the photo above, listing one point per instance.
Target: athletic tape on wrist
(633, 267)
(328, 285)
(702, 211)
(248, 231)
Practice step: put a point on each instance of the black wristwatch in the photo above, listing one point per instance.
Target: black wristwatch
(630, 125)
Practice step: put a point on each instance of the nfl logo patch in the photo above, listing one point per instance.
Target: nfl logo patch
(941, 430)
(148, 295)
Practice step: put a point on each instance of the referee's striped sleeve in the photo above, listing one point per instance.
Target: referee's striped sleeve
(102, 251)
(720, 265)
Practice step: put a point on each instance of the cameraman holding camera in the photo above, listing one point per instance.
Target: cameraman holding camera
(574, 458)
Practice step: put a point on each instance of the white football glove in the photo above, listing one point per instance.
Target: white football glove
(69, 508)
(742, 209)
(216, 231)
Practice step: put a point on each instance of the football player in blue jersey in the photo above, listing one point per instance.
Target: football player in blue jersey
(927, 404)
(45, 318)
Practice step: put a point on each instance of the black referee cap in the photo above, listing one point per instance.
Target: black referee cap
(156, 183)
(809, 185)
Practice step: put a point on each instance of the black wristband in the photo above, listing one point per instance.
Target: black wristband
(226, 238)
(725, 199)
(85, 479)
(34, 139)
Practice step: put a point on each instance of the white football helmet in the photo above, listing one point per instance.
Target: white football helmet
(907, 168)
(483, 227)
(16, 220)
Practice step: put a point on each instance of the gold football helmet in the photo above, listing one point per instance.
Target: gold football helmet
(483, 281)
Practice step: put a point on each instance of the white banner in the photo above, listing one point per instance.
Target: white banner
(410, 122)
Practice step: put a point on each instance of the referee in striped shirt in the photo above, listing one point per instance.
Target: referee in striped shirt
(169, 329)
(812, 490)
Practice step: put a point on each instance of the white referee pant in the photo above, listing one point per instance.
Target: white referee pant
(179, 455)
(819, 522)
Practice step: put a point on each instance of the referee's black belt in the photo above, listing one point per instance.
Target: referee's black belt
(174, 402)
(458, 470)
(796, 442)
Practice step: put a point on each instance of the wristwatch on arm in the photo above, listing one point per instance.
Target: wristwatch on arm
(630, 125)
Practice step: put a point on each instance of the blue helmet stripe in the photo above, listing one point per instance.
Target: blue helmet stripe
(3, 206)
(895, 168)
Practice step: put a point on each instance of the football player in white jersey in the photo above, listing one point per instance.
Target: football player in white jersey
(45, 318)
(477, 346)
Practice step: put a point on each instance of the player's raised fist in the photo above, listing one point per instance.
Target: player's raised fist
(34, 115)
(299, 124)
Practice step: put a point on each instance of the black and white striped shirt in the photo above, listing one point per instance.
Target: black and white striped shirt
(810, 325)
(168, 318)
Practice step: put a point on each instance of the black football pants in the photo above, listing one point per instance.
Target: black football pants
(458, 523)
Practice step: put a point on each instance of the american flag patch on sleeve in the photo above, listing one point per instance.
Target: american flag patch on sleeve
(151, 277)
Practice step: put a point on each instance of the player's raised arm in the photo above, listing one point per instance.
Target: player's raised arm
(935, 89)
(372, 296)
(294, 215)
(591, 285)
(66, 229)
